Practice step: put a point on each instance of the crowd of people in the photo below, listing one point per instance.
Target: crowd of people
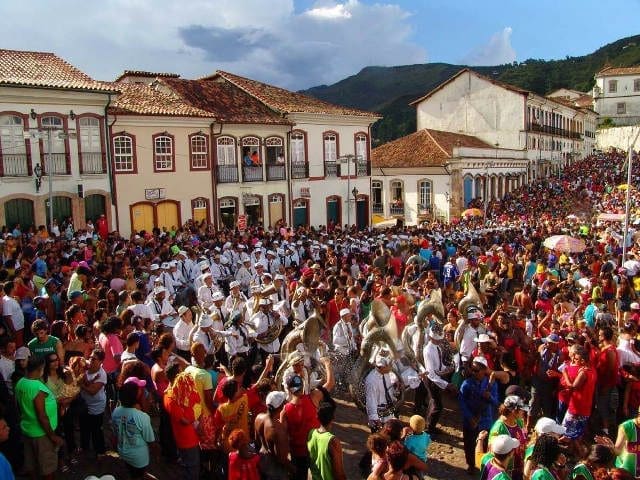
(222, 351)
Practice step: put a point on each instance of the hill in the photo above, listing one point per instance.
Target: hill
(388, 90)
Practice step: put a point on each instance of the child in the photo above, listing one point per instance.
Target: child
(243, 462)
(417, 440)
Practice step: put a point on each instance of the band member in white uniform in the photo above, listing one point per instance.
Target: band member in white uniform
(206, 292)
(236, 301)
(380, 392)
(163, 311)
(182, 332)
(262, 321)
(238, 344)
(199, 280)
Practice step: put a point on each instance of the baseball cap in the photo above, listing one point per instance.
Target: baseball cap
(138, 381)
(234, 284)
(206, 321)
(512, 402)
(22, 353)
(480, 360)
(552, 338)
(294, 384)
(502, 444)
(75, 294)
(344, 311)
(276, 399)
(547, 425)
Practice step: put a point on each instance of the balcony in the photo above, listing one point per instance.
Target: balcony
(252, 173)
(425, 210)
(396, 208)
(56, 163)
(377, 208)
(227, 173)
(91, 163)
(299, 170)
(331, 169)
(15, 165)
(362, 168)
(276, 172)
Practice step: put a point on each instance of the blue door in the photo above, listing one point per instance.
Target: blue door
(468, 191)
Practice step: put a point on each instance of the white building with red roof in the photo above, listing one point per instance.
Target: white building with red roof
(617, 94)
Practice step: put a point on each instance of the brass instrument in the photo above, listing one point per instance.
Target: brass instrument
(272, 332)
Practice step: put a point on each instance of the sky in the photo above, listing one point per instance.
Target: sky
(297, 44)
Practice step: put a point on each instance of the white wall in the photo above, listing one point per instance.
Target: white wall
(607, 102)
(618, 137)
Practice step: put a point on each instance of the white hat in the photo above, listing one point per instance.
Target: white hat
(275, 399)
(206, 321)
(203, 266)
(217, 296)
(502, 444)
(279, 277)
(182, 309)
(267, 275)
(173, 264)
(344, 311)
(224, 260)
(547, 425)
(265, 301)
(635, 306)
(513, 401)
(164, 266)
(159, 290)
(182, 252)
(483, 338)
(258, 264)
(435, 335)
(154, 267)
(271, 252)
(22, 353)
(205, 276)
(234, 284)
(480, 360)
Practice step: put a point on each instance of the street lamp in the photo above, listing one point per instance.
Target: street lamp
(37, 171)
(348, 159)
(447, 198)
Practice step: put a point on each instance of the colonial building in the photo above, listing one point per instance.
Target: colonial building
(551, 132)
(432, 174)
(52, 136)
(617, 95)
(224, 146)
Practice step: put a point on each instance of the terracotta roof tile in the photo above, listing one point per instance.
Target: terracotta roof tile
(138, 99)
(285, 101)
(142, 73)
(424, 148)
(223, 100)
(609, 71)
(47, 70)
(585, 101)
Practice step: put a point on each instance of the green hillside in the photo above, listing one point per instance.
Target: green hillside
(388, 90)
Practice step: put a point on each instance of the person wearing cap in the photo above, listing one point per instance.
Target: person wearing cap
(510, 422)
(236, 300)
(503, 450)
(436, 373)
(162, 310)
(182, 332)
(132, 428)
(263, 321)
(173, 279)
(345, 346)
(244, 275)
(206, 292)
(380, 393)
(478, 397)
(467, 332)
(300, 416)
(12, 313)
(202, 269)
(544, 381)
(240, 340)
(272, 439)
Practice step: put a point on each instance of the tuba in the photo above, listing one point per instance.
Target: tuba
(272, 332)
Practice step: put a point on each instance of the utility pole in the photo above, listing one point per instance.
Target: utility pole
(628, 202)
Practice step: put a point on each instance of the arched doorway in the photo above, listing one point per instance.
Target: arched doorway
(253, 209)
(362, 212)
(228, 212)
(94, 206)
(276, 208)
(19, 210)
(334, 210)
(61, 209)
(167, 215)
(200, 210)
(468, 190)
(142, 217)
(301, 212)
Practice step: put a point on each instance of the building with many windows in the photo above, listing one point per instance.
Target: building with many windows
(223, 146)
(52, 122)
(617, 95)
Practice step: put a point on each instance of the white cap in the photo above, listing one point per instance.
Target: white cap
(265, 301)
(279, 277)
(234, 284)
(483, 338)
(344, 311)
(502, 444)
(203, 266)
(275, 399)
(154, 267)
(480, 360)
(217, 296)
(205, 276)
(165, 266)
(547, 425)
(382, 361)
(435, 335)
(205, 321)
(173, 263)
(159, 290)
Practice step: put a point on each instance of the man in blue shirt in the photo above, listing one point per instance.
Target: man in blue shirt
(478, 398)
(5, 468)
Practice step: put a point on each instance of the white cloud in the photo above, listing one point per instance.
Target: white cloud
(496, 51)
(267, 41)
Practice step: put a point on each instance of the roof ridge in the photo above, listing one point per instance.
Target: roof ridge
(438, 143)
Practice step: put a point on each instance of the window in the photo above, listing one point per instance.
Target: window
(13, 153)
(613, 86)
(361, 147)
(57, 141)
(396, 191)
(298, 148)
(199, 154)
(90, 145)
(226, 153)
(163, 153)
(330, 147)
(123, 153)
(424, 194)
(621, 108)
(376, 192)
(251, 151)
(636, 85)
(275, 151)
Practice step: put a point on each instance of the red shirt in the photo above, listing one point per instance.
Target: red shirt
(608, 376)
(185, 435)
(301, 418)
(243, 468)
(333, 312)
(581, 401)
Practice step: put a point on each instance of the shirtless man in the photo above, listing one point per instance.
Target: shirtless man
(272, 438)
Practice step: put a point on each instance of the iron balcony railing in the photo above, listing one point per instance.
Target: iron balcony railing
(276, 172)
(377, 208)
(227, 173)
(396, 209)
(362, 168)
(331, 169)
(252, 173)
(91, 162)
(299, 170)
(15, 165)
(56, 163)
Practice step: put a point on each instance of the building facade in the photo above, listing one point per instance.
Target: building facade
(617, 95)
(53, 142)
